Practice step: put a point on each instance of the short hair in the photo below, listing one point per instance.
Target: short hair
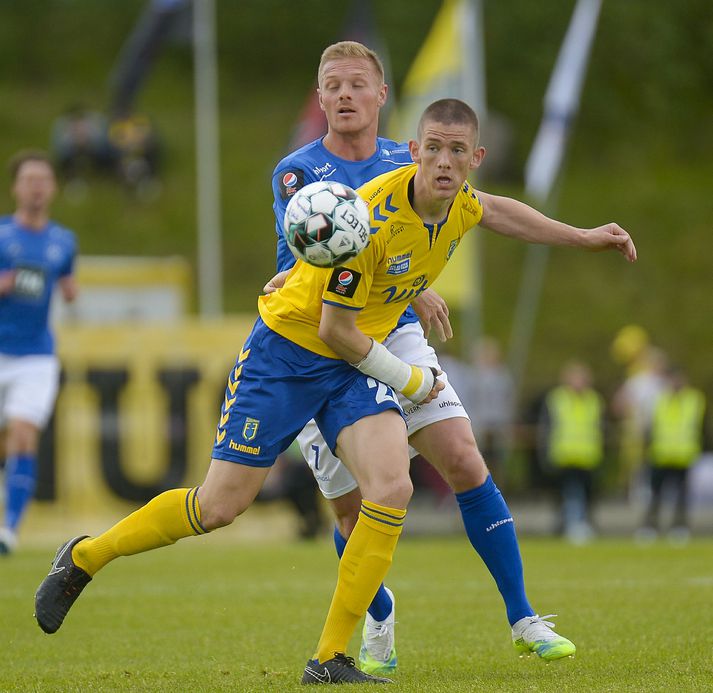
(25, 155)
(349, 49)
(450, 112)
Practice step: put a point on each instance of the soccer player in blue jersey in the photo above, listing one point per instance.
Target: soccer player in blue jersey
(36, 254)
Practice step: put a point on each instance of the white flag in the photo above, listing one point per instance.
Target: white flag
(561, 101)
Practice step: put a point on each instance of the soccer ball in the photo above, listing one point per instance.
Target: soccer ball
(326, 224)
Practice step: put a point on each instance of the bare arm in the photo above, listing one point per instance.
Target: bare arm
(432, 312)
(338, 330)
(68, 287)
(7, 281)
(518, 220)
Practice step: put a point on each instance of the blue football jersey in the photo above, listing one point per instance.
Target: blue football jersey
(39, 259)
(315, 162)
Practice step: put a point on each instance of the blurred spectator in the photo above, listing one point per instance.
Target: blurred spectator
(80, 144)
(137, 146)
(492, 406)
(571, 431)
(675, 445)
(633, 404)
(85, 143)
(486, 389)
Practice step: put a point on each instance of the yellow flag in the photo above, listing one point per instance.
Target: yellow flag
(449, 65)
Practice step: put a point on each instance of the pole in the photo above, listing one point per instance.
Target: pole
(544, 164)
(474, 94)
(210, 274)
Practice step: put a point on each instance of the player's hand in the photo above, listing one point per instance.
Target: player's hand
(432, 312)
(7, 282)
(611, 236)
(277, 282)
(438, 385)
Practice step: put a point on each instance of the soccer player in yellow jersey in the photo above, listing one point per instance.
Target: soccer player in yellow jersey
(315, 353)
(397, 266)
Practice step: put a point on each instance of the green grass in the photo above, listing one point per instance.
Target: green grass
(213, 615)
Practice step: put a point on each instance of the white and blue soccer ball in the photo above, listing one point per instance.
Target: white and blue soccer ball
(326, 224)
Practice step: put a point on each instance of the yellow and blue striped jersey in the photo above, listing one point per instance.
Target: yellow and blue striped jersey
(404, 257)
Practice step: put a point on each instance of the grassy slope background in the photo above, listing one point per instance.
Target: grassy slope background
(641, 151)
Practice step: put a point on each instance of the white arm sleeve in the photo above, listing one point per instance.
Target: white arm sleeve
(414, 382)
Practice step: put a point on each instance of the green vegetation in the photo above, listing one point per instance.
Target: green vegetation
(246, 617)
(641, 150)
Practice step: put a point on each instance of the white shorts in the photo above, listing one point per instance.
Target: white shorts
(411, 346)
(28, 388)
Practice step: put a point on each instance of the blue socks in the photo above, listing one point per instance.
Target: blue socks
(381, 605)
(491, 531)
(20, 482)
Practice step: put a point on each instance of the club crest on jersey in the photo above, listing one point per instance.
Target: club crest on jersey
(344, 282)
(451, 249)
(250, 428)
(291, 181)
(399, 264)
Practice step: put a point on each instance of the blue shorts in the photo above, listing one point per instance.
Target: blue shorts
(277, 386)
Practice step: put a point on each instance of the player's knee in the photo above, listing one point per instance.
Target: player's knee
(22, 438)
(395, 492)
(464, 467)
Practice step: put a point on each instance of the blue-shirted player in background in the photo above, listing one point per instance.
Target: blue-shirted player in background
(352, 92)
(36, 254)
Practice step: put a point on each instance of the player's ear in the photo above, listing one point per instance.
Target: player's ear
(319, 96)
(383, 94)
(478, 156)
(414, 150)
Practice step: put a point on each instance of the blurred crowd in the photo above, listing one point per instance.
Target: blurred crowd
(573, 444)
(577, 443)
(125, 147)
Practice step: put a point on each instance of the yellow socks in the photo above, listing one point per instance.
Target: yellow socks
(164, 520)
(362, 569)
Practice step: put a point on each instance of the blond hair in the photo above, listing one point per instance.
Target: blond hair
(350, 49)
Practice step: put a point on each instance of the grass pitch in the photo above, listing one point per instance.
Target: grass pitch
(214, 615)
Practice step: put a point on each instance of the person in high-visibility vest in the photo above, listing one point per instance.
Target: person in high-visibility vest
(573, 429)
(675, 445)
(633, 404)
